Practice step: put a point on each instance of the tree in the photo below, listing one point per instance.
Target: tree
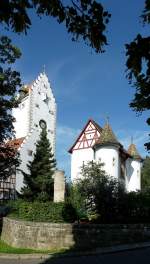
(145, 179)
(103, 193)
(87, 20)
(76, 199)
(138, 68)
(84, 19)
(39, 181)
(9, 82)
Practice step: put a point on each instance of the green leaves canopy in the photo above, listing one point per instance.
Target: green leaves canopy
(85, 19)
(9, 81)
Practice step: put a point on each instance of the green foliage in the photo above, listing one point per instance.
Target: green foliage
(9, 82)
(69, 212)
(83, 19)
(145, 174)
(138, 68)
(106, 201)
(101, 192)
(86, 20)
(77, 199)
(43, 212)
(4, 248)
(39, 181)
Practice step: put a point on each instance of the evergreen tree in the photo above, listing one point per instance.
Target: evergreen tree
(39, 183)
(9, 83)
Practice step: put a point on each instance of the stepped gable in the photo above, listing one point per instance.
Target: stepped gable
(107, 136)
(132, 150)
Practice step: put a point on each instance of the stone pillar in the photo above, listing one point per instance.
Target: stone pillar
(59, 186)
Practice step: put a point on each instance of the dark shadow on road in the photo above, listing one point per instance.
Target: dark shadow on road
(88, 237)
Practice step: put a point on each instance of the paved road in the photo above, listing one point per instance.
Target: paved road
(128, 257)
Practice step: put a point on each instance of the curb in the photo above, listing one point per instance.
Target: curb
(25, 256)
(97, 251)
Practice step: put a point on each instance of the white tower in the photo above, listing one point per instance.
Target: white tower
(133, 166)
(37, 109)
(100, 144)
(107, 152)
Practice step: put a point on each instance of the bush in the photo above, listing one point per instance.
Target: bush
(43, 212)
(69, 213)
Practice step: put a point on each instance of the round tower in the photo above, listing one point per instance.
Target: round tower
(133, 165)
(107, 150)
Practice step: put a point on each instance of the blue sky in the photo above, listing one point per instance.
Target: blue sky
(86, 85)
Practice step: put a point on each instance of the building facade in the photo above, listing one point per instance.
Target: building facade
(36, 110)
(100, 144)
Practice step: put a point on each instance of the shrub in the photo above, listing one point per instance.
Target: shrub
(43, 212)
(69, 213)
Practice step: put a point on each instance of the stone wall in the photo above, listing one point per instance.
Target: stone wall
(55, 236)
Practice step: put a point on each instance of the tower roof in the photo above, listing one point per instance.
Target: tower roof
(107, 136)
(132, 150)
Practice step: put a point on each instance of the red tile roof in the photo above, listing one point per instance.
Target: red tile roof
(15, 143)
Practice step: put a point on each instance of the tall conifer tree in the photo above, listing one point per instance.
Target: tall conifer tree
(39, 183)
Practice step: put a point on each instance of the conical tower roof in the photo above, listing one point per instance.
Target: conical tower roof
(107, 136)
(132, 150)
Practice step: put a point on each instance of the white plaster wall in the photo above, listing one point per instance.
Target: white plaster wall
(41, 110)
(21, 114)
(28, 144)
(110, 157)
(28, 121)
(133, 175)
(77, 159)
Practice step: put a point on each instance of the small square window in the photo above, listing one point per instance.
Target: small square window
(30, 152)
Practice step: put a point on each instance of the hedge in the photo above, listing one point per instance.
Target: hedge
(43, 212)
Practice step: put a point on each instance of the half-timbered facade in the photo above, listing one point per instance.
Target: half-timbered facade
(100, 144)
(82, 150)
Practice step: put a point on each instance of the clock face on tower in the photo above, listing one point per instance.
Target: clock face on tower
(42, 124)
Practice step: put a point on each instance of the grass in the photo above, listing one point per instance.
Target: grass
(4, 248)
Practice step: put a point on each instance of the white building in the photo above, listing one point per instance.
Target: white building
(36, 109)
(100, 144)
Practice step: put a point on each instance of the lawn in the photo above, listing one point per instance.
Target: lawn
(4, 248)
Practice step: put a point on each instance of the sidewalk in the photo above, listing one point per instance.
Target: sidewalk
(105, 250)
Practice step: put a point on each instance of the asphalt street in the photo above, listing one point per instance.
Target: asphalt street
(140, 256)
